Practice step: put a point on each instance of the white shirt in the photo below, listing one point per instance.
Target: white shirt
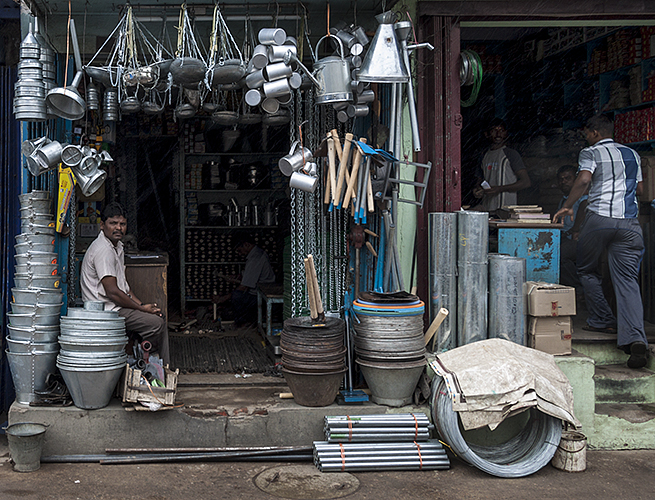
(615, 171)
(102, 259)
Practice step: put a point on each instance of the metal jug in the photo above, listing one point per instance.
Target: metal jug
(295, 160)
(333, 74)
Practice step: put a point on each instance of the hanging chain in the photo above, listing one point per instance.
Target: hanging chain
(71, 248)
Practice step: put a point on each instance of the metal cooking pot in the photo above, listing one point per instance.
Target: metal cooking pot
(188, 70)
(228, 71)
(227, 118)
(333, 74)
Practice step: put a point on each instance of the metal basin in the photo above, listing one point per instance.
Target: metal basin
(314, 389)
(88, 347)
(34, 333)
(24, 259)
(35, 239)
(81, 313)
(29, 371)
(27, 281)
(90, 358)
(37, 229)
(27, 346)
(392, 384)
(22, 320)
(91, 388)
(43, 309)
(36, 295)
(26, 248)
(82, 326)
(36, 269)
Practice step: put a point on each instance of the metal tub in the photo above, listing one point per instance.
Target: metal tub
(30, 248)
(42, 282)
(36, 269)
(34, 257)
(88, 347)
(36, 239)
(91, 388)
(29, 372)
(36, 295)
(27, 346)
(25, 320)
(34, 333)
(43, 309)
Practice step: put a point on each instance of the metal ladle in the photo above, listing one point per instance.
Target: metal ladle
(66, 102)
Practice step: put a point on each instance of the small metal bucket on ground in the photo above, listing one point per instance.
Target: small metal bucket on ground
(25, 445)
(571, 454)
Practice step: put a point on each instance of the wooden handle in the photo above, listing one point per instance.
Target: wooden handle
(436, 323)
(369, 192)
(337, 143)
(317, 290)
(357, 159)
(332, 167)
(343, 168)
(310, 290)
(286, 395)
(327, 198)
(371, 249)
(371, 233)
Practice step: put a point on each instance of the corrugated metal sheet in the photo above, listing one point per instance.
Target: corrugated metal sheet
(10, 184)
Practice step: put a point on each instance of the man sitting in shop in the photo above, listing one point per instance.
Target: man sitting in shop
(569, 240)
(257, 271)
(612, 173)
(503, 171)
(102, 278)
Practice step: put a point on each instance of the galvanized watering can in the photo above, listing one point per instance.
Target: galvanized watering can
(333, 75)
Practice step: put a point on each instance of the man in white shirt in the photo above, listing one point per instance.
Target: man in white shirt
(102, 278)
(257, 270)
(612, 172)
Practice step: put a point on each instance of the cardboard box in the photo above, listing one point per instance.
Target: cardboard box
(133, 392)
(550, 299)
(551, 335)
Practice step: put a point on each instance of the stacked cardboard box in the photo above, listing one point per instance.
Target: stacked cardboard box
(648, 174)
(550, 307)
(635, 126)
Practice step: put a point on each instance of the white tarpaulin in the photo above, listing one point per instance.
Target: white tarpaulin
(493, 379)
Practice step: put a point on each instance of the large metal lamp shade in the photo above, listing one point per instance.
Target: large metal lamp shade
(384, 61)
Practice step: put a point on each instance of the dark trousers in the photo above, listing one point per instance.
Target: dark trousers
(624, 242)
(567, 267)
(149, 327)
(244, 305)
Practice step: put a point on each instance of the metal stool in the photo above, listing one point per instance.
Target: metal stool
(269, 294)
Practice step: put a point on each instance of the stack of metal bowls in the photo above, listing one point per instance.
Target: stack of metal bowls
(92, 355)
(110, 105)
(47, 59)
(389, 345)
(29, 100)
(313, 359)
(35, 308)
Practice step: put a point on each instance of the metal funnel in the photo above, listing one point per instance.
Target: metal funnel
(384, 62)
(66, 102)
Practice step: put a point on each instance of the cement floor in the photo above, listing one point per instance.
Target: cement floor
(609, 475)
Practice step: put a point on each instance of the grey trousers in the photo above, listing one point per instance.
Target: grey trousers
(625, 247)
(149, 327)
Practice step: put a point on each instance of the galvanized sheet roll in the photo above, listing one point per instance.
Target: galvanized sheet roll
(472, 283)
(442, 227)
(507, 311)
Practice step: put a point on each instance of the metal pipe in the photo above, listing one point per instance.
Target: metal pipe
(320, 445)
(76, 48)
(133, 451)
(416, 139)
(442, 264)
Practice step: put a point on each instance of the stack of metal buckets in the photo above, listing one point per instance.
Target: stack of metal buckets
(37, 299)
(36, 76)
(313, 359)
(92, 355)
(390, 345)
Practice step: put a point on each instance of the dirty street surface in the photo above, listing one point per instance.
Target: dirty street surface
(609, 475)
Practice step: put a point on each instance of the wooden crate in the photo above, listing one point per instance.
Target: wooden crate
(134, 392)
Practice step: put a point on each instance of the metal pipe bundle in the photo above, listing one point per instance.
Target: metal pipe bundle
(507, 312)
(442, 228)
(377, 428)
(429, 455)
(472, 284)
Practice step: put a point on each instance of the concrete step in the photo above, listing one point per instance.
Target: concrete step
(620, 384)
(624, 426)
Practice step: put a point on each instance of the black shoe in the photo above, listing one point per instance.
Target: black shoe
(637, 357)
(606, 329)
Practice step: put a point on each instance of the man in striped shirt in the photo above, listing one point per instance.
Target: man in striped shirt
(612, 172)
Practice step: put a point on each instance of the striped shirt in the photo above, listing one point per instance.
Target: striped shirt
(615, 171)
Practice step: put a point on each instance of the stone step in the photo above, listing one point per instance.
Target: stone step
(620, 384)
(624, 426)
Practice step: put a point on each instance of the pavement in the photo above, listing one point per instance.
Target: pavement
(626, 475)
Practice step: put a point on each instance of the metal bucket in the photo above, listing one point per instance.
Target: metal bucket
(314, 389)
(91, 388)
(34, 333)
(25, 441)
(27, 320)
(28, 347)
(36, 296)
(36, 257)
(83, 326)
(37, 281)
(84, 345)
(29, 372)
(41, 206)
(571, 454)
(27, 248)
(44, 309)
(392, 384)
(37, 228)
(35, 239)
(26, 199)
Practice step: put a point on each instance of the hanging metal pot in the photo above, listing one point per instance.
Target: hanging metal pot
(188, 71)
(226, 72)
(89, 182)
(333, 75)
(130, 105)
(280, 117)
(226, 118)
(184, 111)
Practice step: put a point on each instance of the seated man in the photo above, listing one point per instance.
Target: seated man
(257, 271)
(568, 273)
(102, 278)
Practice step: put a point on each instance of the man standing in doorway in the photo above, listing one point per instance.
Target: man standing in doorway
(102, 278)
(503, 171)
(612, 173)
